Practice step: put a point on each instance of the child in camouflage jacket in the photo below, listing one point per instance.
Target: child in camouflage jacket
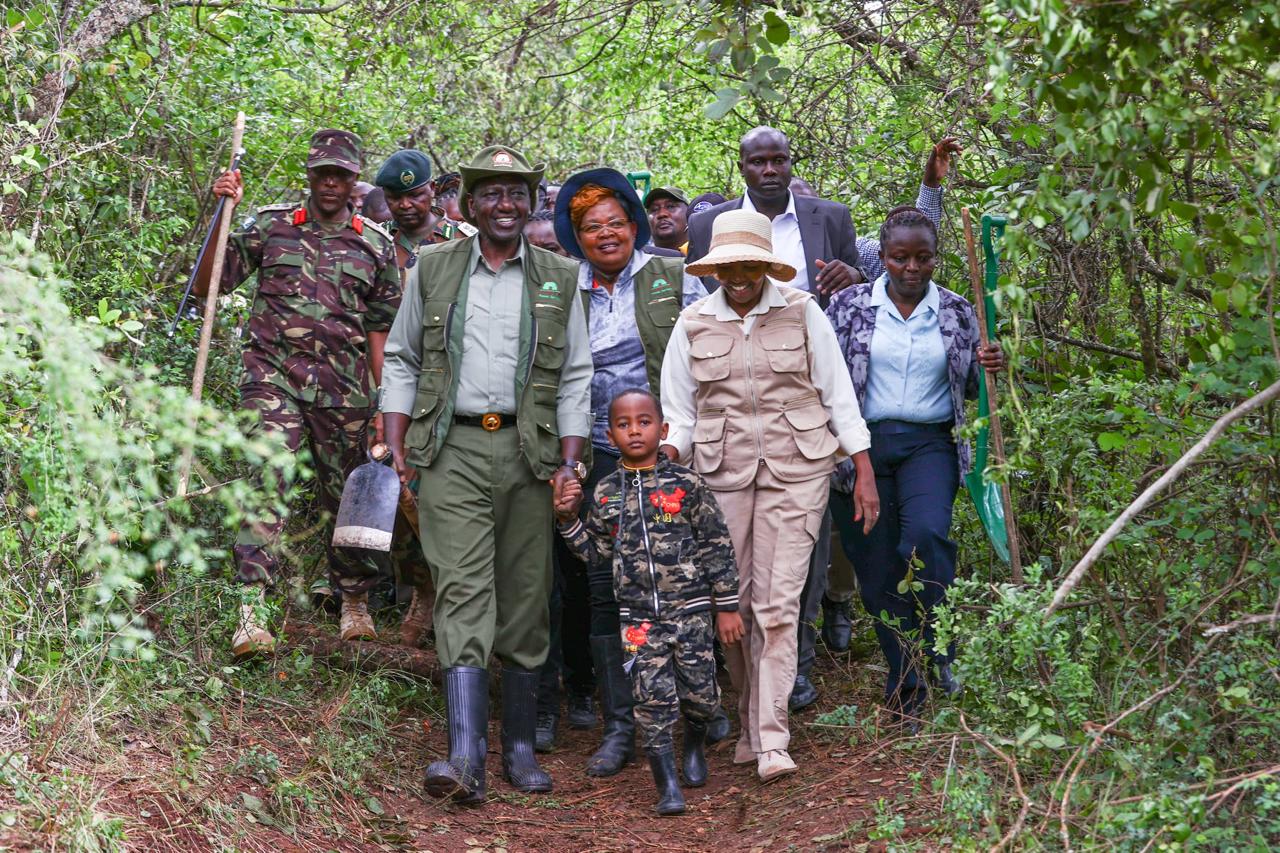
(673, 567)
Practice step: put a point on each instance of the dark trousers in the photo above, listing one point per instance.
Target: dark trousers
(815, 586)
(570, 655)
(917, 479)
(604, 607)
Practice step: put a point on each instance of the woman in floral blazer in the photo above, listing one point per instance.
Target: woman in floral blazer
(913, 351)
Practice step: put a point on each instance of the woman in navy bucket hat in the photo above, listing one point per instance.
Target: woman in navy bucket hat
(632, 299)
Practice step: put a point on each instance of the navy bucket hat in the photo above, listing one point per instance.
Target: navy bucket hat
(610, 179)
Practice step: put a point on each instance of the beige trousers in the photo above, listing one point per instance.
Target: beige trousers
(774, 526)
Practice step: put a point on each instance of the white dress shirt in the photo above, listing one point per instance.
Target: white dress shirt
(827, 371)
(787, 244)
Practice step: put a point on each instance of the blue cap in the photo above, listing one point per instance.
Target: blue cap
(610, 179)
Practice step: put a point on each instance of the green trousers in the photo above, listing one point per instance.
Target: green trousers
(486, 525)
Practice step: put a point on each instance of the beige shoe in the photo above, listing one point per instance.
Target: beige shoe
(356, 623)
(418, 620)
(742, 753)
(774, 764)
(251, 638)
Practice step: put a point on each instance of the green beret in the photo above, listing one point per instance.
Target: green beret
(404, 170)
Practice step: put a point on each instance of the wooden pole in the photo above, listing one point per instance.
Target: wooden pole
(997, 434)
(211, 301)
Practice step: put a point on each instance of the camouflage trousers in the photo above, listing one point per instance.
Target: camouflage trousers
(337, 439)
(674, 672)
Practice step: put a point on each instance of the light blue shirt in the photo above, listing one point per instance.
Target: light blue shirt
(907, 371)
(616, 351)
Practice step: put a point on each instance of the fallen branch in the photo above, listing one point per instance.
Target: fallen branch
(362, 656)
(1220, 426)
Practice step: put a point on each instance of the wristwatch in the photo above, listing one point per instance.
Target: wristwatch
(576, 466)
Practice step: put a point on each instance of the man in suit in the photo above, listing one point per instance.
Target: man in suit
(812, 234)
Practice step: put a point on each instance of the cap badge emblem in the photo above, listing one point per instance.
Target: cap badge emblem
(406, 177)
(501, 159)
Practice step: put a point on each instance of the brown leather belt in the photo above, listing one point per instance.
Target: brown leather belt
(489, 421)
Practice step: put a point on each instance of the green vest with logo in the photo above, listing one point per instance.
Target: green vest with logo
(659, 298)
(443, 279)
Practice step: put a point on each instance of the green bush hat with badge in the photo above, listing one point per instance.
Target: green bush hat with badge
(493, 162)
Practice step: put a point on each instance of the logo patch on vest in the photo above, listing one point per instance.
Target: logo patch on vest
(551, 285)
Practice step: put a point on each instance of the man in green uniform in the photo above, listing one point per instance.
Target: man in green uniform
(328, 289)
(487, 391)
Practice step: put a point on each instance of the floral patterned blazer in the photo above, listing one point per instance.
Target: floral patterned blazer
(854, 319)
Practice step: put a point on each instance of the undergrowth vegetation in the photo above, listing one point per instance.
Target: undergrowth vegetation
(1133, 146)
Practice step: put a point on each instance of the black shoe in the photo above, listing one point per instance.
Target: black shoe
(461, 778)
(519, 723)
(946, 682)
(693, 764)
(717, 727)
(803, 694)
(837, 628)
(544, 735)
(582, 711)
(619, 744)
(670, 797)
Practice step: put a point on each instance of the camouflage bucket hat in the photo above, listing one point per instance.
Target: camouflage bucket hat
(339, 148)
(497, 161)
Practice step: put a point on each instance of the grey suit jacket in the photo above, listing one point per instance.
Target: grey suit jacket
(826, 231)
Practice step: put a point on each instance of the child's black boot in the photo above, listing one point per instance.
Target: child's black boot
(670, 798)
(693, 766)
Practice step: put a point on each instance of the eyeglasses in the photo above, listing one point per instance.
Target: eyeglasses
(596, 227)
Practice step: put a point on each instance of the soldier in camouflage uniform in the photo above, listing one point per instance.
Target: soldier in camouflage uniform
(328, 290)
(659, 525)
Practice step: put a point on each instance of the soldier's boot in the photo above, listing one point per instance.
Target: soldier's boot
(519, 719)
(417, 621)
(544, 734)
(670, 797)
(837, 627)
(693, 764)
(251, 636)
(466, 701)
(717, 726)
(356, 623)
(619, 745)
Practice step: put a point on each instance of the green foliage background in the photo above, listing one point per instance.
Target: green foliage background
(1133, 145)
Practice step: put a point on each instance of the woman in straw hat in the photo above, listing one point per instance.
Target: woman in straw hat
(757, 398)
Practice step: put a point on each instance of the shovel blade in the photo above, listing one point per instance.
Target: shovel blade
(367, 513)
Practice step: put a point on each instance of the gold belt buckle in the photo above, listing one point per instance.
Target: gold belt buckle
(492, 422)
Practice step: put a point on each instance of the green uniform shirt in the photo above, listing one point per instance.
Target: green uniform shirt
(487, 375)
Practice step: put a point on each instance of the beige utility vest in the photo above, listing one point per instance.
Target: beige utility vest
(755, 401)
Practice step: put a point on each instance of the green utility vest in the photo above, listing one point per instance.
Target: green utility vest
(659, 299)
(443, 279)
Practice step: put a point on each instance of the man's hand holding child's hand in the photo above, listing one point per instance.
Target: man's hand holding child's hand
(570, 499)
(729, 627)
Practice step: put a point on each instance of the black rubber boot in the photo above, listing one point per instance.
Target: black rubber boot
(693, 764)
(519, 719)
(619, 745)
(670, 797)
(466, 696)
(717, 726)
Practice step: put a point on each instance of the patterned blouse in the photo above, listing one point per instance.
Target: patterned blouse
(854, 319)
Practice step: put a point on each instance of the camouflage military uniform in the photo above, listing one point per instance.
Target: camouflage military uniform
(673, 566)
(321, 289)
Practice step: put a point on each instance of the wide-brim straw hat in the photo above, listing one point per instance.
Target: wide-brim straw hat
(742, 236)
